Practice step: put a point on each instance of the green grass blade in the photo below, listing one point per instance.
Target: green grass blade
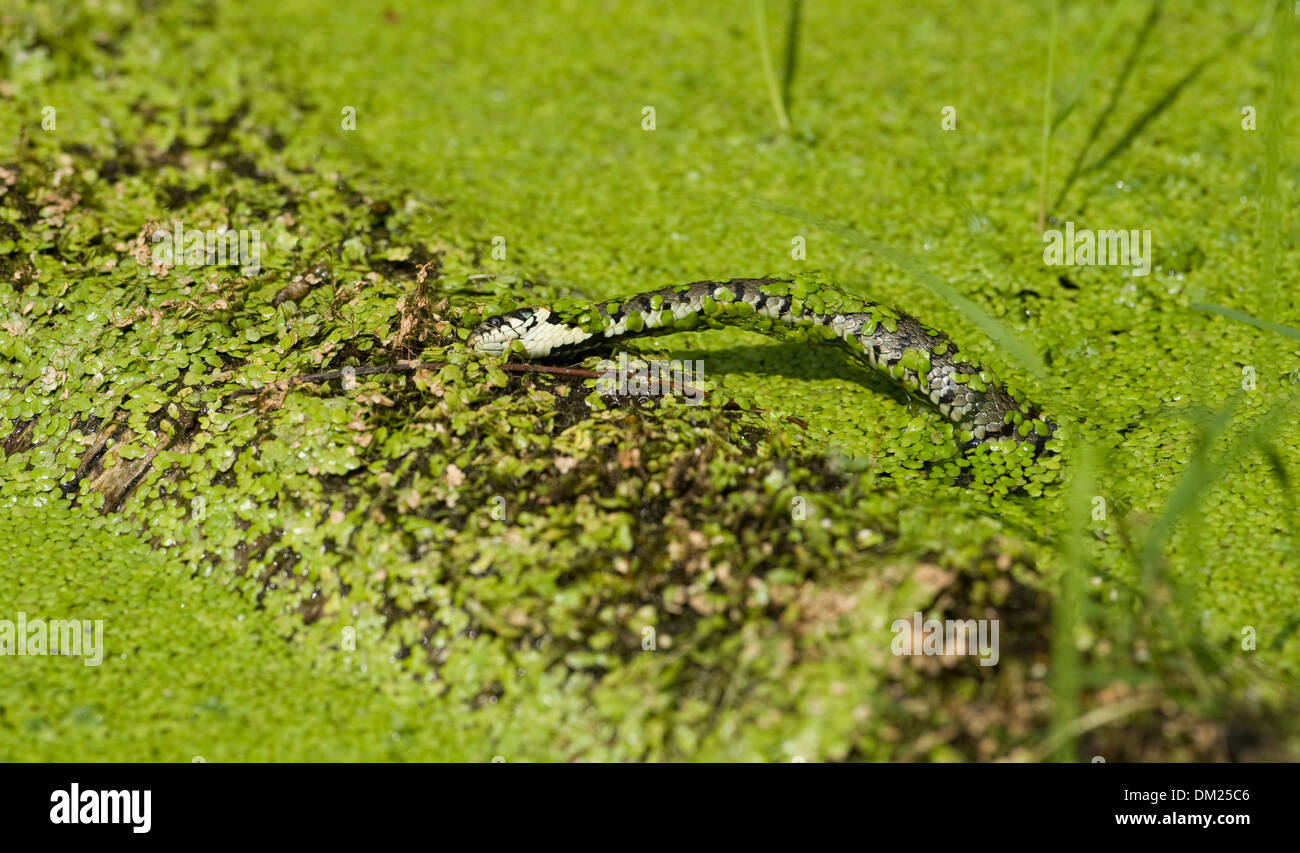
(1274, 129)
(1165, 101)
(1243, 317)
(1205, 467)
(1020, 353)
(1099, 45)
(1067, 612)
(1048, 81)
(765, 59)
(976, 222)
(792, 28)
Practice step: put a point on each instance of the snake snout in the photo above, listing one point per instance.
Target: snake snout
(495, 333)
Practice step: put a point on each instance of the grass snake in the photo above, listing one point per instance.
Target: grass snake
(922, 360)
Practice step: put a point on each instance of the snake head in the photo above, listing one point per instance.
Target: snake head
(495, 334)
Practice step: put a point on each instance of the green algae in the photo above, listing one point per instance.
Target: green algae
(189, 672)
(552, 574)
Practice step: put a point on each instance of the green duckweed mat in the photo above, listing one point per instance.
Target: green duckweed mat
(464, 562)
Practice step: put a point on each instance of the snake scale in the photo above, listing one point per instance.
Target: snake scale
(923, 360)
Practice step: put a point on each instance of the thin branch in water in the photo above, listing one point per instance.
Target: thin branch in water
(408, 367)
(511, 367)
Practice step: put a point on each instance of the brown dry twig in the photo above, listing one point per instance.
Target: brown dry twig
(283, 385)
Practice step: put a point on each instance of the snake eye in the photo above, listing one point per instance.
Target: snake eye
(493, 322)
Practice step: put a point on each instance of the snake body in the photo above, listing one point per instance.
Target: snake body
(924, 361)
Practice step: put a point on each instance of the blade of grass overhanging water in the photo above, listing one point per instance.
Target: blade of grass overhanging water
(1023, 355)
(1270, 215)
(1104, 37)
(1243, 317)
(1187, 490)
(792, 25)
(1165, 101)
(1067, 612)
(1045, 168)
(1204, 469)
(976, 222)
(1113, 101)
(1183, 509)
(765, 60)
